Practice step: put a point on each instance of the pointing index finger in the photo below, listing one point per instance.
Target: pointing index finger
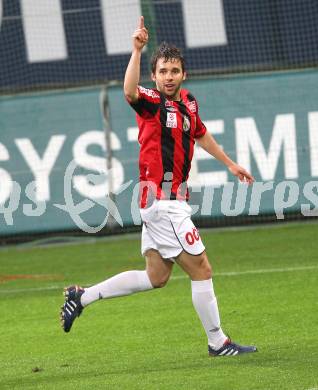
(141, 22)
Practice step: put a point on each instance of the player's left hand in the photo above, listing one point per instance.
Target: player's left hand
(140, 36)
(241, 173)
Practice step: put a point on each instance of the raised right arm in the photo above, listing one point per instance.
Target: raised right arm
(132, 75)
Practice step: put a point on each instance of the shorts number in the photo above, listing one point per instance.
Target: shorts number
(193, 236)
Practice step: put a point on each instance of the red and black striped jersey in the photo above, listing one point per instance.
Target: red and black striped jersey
(167, 132)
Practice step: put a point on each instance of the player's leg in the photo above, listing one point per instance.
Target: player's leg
(125, 283)
(203, 296)
(155, 275)
(205, 304)
(76, 298)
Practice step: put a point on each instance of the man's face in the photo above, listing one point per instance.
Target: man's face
(168, 77)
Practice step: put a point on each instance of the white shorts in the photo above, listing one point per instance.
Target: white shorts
(167, 227)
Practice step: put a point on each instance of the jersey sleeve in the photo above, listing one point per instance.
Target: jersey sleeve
(148, 102)
(200, 128)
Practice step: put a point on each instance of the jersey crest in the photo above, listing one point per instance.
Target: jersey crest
(186, 123)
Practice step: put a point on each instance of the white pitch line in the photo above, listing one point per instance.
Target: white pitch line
(22, 290)
(258, 271)
(235, 273)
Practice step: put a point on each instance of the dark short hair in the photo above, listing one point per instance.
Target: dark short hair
(168, 52)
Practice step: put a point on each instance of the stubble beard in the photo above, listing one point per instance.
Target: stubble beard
(174, 94)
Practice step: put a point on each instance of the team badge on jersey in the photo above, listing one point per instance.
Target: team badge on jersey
(171, 119)
(192, 106)
(186, 123)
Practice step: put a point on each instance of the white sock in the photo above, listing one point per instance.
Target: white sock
(205, 304)
(125, 283)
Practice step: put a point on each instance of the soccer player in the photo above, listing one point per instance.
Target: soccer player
(169, 125)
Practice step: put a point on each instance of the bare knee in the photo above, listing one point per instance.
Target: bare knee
(197, 267)
(160, 284)
(158, 281)
(205, 267)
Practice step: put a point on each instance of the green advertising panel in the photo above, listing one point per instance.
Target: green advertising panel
(53, 150)
(40, 136)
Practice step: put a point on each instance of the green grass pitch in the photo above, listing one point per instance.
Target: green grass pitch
(266, 281)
